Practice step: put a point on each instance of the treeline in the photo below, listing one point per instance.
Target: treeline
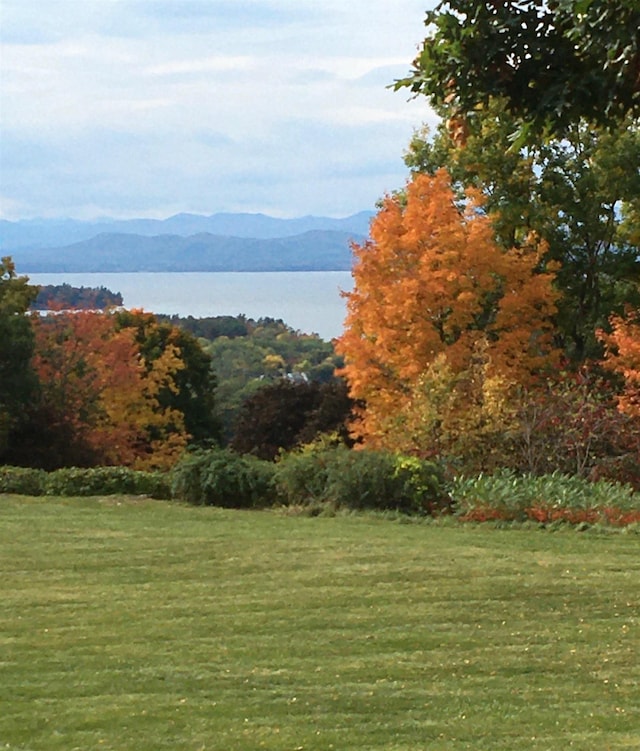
(67, 297)
(126, 388)
(275, 386)
(493, 328)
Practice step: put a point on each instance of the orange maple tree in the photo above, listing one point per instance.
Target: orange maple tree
(623, 357)
(96, 380)
(432, 288)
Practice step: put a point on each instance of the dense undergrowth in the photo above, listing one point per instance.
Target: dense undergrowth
(323, 479)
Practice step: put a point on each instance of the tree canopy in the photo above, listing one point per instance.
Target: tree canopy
(67, 297)
(432, 286)
(192, 387)
(99, 390)
(285, 414)
(581, 194)
(552, 61)
(453, 339)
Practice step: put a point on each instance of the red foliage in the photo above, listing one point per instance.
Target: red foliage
(96, 382)
(546, 514)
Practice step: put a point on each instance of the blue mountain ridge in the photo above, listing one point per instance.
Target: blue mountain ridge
(184, 242)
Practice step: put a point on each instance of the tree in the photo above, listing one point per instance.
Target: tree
(285, 414)
(433, 282)
(17, 379)
(66, 297)
(269, 350)
(100, 392)
(580, 194)
(191, 390)
(552, 61)
(623, 358)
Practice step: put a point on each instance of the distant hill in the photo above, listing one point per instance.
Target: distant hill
(315, 250)
(184, 242)
(55, 233)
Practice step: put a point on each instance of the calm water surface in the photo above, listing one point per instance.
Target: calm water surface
(309, 301)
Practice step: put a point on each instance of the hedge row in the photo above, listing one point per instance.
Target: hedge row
(325, 477)
(84, 482)
(317, 477)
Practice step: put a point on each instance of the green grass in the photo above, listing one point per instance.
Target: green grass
(143, 625)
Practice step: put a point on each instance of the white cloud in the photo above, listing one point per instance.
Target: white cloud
(201, 65)
(124, 106)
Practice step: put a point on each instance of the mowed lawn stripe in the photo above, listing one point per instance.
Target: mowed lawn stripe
(137, 624)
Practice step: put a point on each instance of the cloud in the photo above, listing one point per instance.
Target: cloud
(206, 65)
(121, 106)
(194, 15)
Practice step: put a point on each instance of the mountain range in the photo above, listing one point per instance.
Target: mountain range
(184, 242)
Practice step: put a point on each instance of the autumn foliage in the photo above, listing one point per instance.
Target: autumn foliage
(442, 323)
(98, 389)
(623, 357)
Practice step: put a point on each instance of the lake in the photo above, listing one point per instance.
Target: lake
(308, 301)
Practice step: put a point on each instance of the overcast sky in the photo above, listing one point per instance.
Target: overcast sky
(151, 107)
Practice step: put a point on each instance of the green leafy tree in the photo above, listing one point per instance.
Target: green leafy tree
(580, 194)
(553, 61)
(269, 351)
(210, 327)
(17, 378)
(66, 297)
(239, 365)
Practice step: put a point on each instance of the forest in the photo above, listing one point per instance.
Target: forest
(97, 385)
(494, 325)
(65, 297)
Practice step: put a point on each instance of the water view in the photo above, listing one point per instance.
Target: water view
(306, 301)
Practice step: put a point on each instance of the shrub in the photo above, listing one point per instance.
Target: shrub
(301, 476)
(186, 478)
(425, 482)
(621, 469)
(573, 426)
(106, 481)
(384, 481)
(360, 479)
(22, 480)
(220, 477)
(545, 499)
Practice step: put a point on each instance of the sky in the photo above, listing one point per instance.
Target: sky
(148, 108)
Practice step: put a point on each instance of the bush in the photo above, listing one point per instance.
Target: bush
(107, 481)
(424, 481)
(186, 478)
(301, 476)
(361, 479)
(545, 499)
(22, 480)
(623, 469)
(383, 481)
(220, 477)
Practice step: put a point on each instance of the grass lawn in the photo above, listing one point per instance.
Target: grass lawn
(136, 624)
